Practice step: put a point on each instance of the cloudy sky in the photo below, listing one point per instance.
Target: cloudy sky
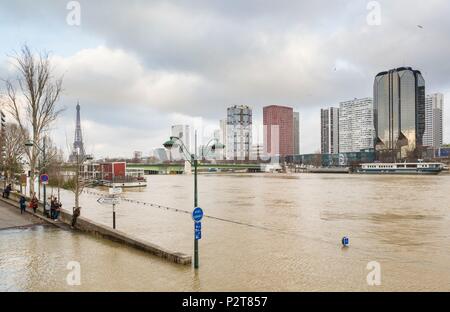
(137, 67)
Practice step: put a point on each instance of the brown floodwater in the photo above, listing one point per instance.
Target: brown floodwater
(276, 232)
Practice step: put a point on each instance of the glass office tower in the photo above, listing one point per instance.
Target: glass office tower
(399, 110)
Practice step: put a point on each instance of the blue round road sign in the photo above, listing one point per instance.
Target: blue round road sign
(345, 241)
(197, 214)
(44, 178)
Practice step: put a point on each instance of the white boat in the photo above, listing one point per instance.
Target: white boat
(125, 184)
(401, 168)
(134, 178)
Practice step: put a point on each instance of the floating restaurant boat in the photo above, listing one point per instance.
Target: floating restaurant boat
(125, 183)
(401, 168)
(116, 174)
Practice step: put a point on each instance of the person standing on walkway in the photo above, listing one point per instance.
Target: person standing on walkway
(52, 207)
(7, 190)
(34, 203)
(75, 215)
(22, 204)
(57, 209)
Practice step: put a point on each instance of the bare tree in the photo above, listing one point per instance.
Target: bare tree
(55, 171)
(31, 99)
(54, 164)
(14, 150)
(77, 183)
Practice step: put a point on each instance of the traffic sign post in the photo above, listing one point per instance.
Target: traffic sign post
(44, 179)
(197, 215)
(114, 216)
(115, 190)
(198, 230)
(110, 200)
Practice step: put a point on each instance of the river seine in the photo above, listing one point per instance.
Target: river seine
(262, 232)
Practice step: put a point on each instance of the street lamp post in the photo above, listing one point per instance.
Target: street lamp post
(44, 171)
(193, 160)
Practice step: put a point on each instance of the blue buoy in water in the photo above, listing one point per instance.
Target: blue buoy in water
(345, 241)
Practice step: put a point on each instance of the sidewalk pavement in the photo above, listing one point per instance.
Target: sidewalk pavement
(10, 217)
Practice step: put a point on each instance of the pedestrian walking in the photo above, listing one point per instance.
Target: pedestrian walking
(22, 204)
(34, 203)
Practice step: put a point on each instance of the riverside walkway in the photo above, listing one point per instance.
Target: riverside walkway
(10, 218)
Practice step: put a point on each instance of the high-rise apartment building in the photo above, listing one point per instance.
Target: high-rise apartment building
(223, 131)
(356, 129)
(399, 110)
(238, 132)
(278, 130)
(183, 133)
(434, 104)
(329, 130)
(296, 133)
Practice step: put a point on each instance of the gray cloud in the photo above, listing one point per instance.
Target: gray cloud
(155, 58)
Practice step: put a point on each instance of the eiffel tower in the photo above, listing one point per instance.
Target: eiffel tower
(78, 147)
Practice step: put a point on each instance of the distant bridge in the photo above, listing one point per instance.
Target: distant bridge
(179, 167)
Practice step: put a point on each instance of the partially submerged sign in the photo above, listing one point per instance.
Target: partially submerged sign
(197, 214)
(115, 190)
(198, 230)
(109, 200)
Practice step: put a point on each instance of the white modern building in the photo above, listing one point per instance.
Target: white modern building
(238, 132)
(329, 130)
(182, 132)
(434, 104)
(356, 127)
(222, 136)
